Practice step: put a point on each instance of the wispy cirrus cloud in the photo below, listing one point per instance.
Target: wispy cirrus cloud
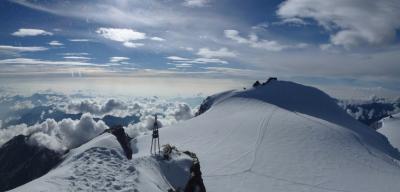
(21, 48)
(254, 41)
(79, 58)
(111, 12)
(79, 40)
(198, 36)
(55, 43)
(132, 45)
(294, 21)
(177, 59)
(157, 39)
(75, 54)
(23, 32)
(182, 65)
(230, 71)
(118, 59)
(29, 61)
(350, 23)
(196, 3)
(219, 53)
(207, 56)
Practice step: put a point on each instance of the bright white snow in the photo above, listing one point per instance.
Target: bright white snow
(281, 137)
(390, 127)
(100, 165)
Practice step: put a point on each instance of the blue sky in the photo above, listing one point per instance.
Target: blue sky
(345, 43)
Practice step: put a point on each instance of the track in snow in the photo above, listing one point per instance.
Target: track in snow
(102, 169)
(263, 128)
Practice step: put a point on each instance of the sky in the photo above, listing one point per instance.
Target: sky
(349, 48)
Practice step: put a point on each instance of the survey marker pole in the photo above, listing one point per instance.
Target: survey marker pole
(155, 139)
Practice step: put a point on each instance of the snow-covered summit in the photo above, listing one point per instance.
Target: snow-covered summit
(281, 136)
(291, 96)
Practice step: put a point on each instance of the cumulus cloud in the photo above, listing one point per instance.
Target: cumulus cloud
(220, 53)
(23, 32)
(45, 140)
(168, 113)
(55, 43)
(93, 107)
(126, 36)
(173, 113)
(146, 124)
(195, 3)
(22, 105)
(181, 112)
(120, 34)
(254, 41)
(351, 23)
(65, 134)
(75, 133)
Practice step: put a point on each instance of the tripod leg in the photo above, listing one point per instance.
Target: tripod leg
(151, 148)
(155, 147)
(159, 150)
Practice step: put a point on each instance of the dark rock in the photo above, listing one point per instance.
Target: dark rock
(123, 139)
(271, 79)
(256, 84)
(205, 105)
(111, 120)
(371, 112)
(21, 162)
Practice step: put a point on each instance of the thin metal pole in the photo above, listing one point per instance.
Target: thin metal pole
(158, 140)
(151, 148)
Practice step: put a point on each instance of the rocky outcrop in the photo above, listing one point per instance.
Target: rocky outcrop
(123, 139)
(21, 162)
(205, 105)
(195, 181)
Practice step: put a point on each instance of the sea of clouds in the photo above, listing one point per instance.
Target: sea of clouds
(60, 122)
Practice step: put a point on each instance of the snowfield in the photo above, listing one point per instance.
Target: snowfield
(100, 165)
(390, 127)
(280, 137)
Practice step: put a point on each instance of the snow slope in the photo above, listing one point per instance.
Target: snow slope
(390, 127)
(100, 165)
(279, 137)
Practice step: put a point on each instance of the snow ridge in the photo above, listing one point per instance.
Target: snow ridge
(281, 137)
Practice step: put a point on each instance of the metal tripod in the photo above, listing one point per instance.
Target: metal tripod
(155, 140)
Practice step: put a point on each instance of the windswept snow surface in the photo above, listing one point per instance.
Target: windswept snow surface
(100, 165)
(281, 137)
(391, 129)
